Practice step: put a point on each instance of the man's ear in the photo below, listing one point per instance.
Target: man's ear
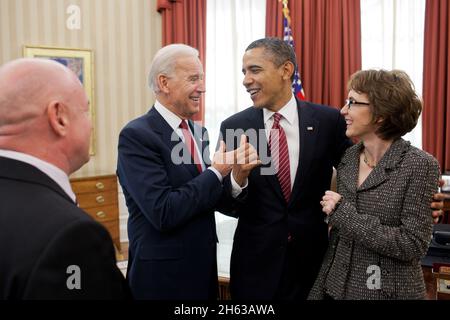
(58, 117)
(288, 70)
(163, 83)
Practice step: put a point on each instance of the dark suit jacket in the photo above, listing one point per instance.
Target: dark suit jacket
(260, 240)
(171, 227)
(43, 233)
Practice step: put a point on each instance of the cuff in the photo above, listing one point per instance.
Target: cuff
(236, 189)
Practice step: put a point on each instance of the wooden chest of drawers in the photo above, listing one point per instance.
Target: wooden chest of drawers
(99, 198)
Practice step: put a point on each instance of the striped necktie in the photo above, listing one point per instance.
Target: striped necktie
(190, 143)
(280, 156)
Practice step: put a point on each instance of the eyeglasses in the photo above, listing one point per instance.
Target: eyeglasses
(350, 102)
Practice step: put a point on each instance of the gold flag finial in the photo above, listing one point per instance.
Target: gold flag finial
(286, 10)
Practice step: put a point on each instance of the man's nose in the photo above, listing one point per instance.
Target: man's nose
(201, 87)
(247, 80)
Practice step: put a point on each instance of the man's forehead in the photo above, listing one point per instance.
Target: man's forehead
(256, 61)
(189, 69)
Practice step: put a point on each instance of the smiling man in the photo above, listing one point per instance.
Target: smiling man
(170, 191)
(281, 236)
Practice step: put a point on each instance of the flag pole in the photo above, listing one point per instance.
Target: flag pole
(297, 86)
(286, 10)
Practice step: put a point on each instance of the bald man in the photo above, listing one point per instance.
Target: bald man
(49, 248)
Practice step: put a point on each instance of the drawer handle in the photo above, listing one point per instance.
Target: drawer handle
(101, 214)
(100, 199)
(100, 185)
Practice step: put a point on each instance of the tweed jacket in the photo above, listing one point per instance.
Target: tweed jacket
(381, 229)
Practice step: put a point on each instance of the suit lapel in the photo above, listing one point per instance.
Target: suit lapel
(169, 136)
(375, 178)
(349, 170)
(308, 129)
(201, 140)
(390, 160)
(161, 127)
(257, 123)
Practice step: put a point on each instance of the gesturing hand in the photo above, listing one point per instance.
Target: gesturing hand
(246, 159)
(437, 204)
(223, 161)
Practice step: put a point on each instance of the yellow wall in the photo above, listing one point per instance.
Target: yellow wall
(123, 35)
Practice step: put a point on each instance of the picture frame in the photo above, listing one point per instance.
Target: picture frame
(446, 187)
(80, 61)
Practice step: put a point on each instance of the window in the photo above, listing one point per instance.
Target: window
(392, 34)
(231, 26)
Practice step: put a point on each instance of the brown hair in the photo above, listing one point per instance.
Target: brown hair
(392, 99)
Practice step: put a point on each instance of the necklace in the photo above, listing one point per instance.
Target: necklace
(367, 161)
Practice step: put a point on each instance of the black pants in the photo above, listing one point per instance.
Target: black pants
(298, 275)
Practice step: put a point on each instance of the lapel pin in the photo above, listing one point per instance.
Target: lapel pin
(310, 128)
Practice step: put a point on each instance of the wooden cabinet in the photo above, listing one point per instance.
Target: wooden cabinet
(99, 198)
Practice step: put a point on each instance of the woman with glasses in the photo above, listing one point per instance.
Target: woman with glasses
(379, 219)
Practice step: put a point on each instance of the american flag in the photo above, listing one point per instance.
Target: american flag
(297, 87)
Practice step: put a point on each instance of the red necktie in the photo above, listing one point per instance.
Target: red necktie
(280, 156)
(190, 143)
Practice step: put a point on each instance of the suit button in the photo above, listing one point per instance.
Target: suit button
(384, 272)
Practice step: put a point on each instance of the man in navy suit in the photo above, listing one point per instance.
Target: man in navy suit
(281, 236)
(170, 189)
(49, 248)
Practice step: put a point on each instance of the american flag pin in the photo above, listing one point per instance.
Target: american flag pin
(310, 128)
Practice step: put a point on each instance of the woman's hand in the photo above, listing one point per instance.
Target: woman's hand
(329, 201)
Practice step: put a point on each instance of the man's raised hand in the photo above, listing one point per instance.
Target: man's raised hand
(246, 159)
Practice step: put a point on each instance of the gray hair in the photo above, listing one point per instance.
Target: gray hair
(164, 62)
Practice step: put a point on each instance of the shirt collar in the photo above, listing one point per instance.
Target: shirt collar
(55, 173)
(172, 119)
(288, 111)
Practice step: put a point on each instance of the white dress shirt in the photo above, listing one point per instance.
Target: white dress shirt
(174, 122)
(290, 123)
(55, 173)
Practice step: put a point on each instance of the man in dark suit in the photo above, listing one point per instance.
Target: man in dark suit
(281, 236)
(170, 190)
(49, 248)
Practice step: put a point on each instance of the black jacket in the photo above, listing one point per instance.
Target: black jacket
(46, 241)
(265, 219)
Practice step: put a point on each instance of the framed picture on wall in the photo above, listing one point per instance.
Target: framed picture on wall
(80, 61)
(446, 186)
